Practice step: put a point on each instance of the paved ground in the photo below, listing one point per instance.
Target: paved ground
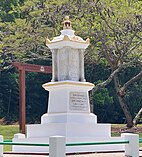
(83, 155)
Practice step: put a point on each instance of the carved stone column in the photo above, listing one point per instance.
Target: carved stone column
(54, 65)
(81, 65)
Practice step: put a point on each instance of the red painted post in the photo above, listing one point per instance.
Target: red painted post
(22, 109)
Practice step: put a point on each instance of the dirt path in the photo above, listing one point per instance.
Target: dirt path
(119, 129)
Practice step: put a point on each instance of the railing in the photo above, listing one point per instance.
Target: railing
(97, 143)
(24, 144)
(57, 145)
(140, 141)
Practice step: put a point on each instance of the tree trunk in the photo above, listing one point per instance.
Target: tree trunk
(123, 104)
(137, 117)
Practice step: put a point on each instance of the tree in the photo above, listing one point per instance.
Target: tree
(119, 41)
(9, 95)
(10, 10)
(114, 27)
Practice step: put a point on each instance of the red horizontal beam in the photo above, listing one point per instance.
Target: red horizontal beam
(32, 67)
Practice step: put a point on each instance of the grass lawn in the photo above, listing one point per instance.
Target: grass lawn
(118, 126)
(9, 130)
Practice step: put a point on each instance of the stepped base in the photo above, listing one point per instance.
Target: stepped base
(68, 130)
(69, 116)
(69, 125)
(76, 127)
(80, 131)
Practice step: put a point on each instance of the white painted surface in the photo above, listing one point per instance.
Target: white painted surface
(19, 135)
(131, 149)
(72, 44)
(69, 130)
(57, 146)
(69, 118)
(59, 43)
(1, 146)
(61, 96)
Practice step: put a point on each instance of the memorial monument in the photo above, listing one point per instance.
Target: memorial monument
(68, 107)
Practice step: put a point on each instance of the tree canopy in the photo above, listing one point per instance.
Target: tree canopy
(113, 60)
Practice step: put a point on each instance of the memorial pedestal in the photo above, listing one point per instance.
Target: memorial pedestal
(68, 115)
(68, 97)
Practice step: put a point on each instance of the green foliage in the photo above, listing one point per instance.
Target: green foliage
(9, 96)
(36, 96)
(102, 97)
(41, 18)
(10, 9)
(104, 105)
(110, 25)
(134, 98)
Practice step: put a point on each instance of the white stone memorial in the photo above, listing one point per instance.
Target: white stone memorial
(68, 107)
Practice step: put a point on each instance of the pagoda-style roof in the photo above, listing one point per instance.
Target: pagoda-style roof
(67, 38)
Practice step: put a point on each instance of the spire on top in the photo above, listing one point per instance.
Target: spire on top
(67, 23)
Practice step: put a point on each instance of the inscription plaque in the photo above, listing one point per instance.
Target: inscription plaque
(78, 101)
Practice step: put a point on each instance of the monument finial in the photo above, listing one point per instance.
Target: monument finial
(67, 23)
